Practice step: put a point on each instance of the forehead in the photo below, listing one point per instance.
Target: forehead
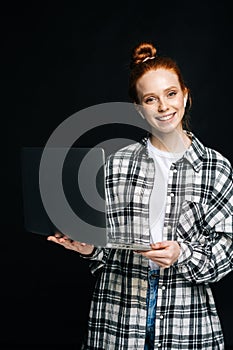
(157, 81)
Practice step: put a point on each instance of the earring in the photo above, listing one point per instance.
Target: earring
(185, 100)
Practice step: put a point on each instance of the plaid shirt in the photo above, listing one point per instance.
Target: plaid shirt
(199, 216)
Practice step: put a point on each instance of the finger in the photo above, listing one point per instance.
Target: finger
(156, 245)
(58, 234)
(165, 244)
(52, 238)
(156, 255)
(66, 237)
(65, 240)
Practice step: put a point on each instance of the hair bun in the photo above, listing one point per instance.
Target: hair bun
(142, 52)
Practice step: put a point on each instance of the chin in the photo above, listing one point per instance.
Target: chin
(165, 128)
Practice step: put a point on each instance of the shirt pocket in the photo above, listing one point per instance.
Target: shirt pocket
(192, 225)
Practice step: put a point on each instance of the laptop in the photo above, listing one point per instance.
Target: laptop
(63, 191)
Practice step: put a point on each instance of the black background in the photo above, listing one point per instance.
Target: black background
(61, 57)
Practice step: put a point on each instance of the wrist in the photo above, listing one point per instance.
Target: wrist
(90, 254)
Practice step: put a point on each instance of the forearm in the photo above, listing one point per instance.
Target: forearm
(97, 258)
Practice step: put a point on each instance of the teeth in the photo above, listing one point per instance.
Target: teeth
(165, 118)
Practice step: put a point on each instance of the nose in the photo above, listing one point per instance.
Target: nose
(162, 106)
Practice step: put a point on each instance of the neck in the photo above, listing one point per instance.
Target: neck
(176, 142)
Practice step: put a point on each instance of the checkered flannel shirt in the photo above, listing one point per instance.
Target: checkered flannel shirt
(199, 216)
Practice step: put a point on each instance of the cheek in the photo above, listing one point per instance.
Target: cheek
(178, 104)
(148, 111)
(179, 107)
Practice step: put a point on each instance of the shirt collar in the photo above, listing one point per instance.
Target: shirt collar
(194, 154)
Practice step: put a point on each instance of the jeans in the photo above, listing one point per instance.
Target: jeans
(153, 279)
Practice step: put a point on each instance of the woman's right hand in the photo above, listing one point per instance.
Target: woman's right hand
(66, 242)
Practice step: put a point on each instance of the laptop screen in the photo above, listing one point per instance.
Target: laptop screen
(79, 212)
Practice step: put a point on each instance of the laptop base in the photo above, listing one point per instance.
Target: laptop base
(129, 246)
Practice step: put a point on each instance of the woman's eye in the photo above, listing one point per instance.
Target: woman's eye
(172, 93)
(150, 99)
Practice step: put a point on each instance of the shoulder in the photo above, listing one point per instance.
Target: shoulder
(217, 160)
(209, 158)
(125, 153)
(125, 159)
(217, 170)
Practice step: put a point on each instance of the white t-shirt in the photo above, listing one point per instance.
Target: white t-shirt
(163, 161)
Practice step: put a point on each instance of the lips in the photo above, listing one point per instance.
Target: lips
(165, 117)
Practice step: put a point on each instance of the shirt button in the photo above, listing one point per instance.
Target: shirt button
(161, 317)
(159, 345)
(174, 170)
(163, 287)
(172, 194)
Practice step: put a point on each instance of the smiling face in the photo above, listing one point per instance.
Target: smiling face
(162, 100)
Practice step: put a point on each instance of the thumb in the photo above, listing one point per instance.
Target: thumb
(160, 245)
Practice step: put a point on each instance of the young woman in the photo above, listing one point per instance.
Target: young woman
(178, 194)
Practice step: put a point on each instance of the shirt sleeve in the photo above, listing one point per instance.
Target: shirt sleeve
(97, 259)
(211, 258)
(209, 261)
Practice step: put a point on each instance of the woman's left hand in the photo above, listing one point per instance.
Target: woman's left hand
(163, 253)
